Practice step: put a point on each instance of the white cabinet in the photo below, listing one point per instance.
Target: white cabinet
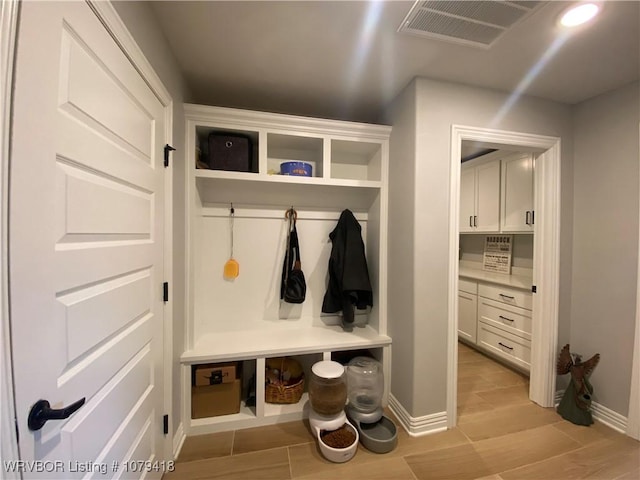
(504, 323)
(497, 320)
(244, 319)
(480, 196)
(510, 348)
(467, 310)
(516, 212)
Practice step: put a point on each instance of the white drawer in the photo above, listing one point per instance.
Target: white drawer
(504, 345)
(510, 296)
(514, 320)
(469, 286)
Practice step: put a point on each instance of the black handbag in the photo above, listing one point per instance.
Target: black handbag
(294, 287)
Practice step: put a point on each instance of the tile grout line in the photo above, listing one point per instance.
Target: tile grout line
(409, 467)
(580, 447)
(289, 462)
(233, 442)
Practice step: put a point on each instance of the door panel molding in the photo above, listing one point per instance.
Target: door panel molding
(546, 264)
(8, 34)
(114, 24)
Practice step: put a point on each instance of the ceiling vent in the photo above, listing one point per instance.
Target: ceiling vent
(477, 24)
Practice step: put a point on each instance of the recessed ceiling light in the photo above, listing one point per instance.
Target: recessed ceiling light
(579, 14)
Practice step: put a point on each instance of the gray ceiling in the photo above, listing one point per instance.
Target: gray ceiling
(345, 60)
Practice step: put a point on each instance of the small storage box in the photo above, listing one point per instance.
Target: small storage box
(297, 169)
(215, 400)
(229, 151)
(214, 373)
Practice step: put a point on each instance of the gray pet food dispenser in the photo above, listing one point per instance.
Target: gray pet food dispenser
(365, 384)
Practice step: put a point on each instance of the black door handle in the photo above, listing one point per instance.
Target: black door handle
(41, 411)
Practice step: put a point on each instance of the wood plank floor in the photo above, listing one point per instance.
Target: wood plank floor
(500, 435)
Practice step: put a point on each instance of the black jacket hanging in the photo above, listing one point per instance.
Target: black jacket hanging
(349, 283)
(293, 288)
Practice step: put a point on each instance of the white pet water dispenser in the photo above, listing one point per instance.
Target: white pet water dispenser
(365, 380)
(337, 437)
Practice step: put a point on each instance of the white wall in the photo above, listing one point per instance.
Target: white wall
(141, 21)
(605, 241)
(438, 105)
(400, 291)
(472, 249)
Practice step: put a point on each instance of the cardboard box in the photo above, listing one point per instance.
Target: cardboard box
(214, 374)
(215, 400)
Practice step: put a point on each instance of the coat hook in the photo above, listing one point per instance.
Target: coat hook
(288, 214)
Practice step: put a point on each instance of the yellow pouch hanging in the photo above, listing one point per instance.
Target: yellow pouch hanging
(232, 267)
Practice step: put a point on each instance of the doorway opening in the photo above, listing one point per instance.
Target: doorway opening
(545, 265)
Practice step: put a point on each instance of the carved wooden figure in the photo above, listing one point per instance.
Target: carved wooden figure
(575, 405)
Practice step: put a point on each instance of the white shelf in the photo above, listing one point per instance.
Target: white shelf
(278, 190)
(285, 179)
(245, 414)
(276, 409)
(244, 320)
(281, 341)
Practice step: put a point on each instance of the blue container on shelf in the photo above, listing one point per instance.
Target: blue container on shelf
(298, 169)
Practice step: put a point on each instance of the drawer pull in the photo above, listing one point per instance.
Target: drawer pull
(505, 318)
(505, 346)
(507, 296)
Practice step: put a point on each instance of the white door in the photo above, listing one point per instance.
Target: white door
(488, 197)
(467, 199)
(86, 247)
(517, 198)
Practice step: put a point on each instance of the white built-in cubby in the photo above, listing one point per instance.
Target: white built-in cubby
(244, 319)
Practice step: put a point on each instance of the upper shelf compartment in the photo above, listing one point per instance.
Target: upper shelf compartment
(342, 154)
(210, 138)
(356, 160)
(285, 148)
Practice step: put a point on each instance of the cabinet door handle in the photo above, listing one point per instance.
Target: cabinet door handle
(507, 296)
(475, 220)
(527, 217)
(505, 318)
(471, 220)
(505, 346)
(533, 217)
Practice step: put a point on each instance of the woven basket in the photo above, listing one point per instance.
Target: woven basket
(284, 393)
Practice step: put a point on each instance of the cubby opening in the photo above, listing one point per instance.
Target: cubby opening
(287, 148)
(345, 356)
(203, 150)
(223, 389)
(305, 362)
(356, 160)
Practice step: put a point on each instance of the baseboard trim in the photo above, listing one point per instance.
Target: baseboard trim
(178, 440)
(603, 415)
(418, 426)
